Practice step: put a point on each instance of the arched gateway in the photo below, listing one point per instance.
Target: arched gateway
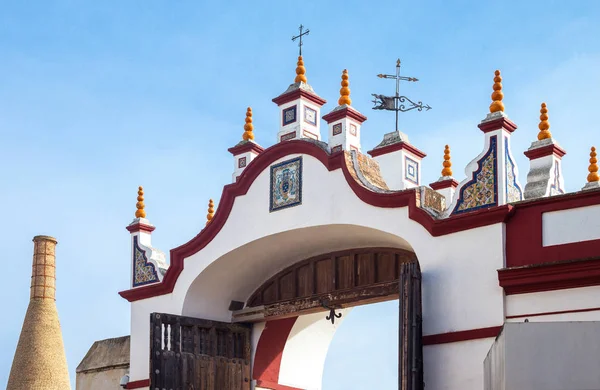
(308, 229)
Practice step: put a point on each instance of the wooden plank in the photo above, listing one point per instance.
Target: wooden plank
(386, 267)
(287, 285)
(344, 272)
(365, 269)
(324, 276)
(270, 292)
(305, 278)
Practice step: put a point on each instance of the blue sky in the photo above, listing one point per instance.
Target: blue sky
(99, 97)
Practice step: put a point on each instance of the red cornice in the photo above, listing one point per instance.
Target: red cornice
(496, 124)
(140, 227)
(296, 94)
(463, 335)
(395, 147)
(332, 162)
(344, 112)
(544, 151)
(246, 147)
(551, 276)
(441, 184)
(138, 384)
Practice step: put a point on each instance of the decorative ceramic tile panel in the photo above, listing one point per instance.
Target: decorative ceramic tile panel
(482, 190)
(555, 188)
(288, 136)
(286, 184)
(310, 135)
(144, 272)
(289, 115)
(310, 116)
(337, 129)
(411, 170)
(242, 162)
(352, 147)
(352, 129)
(513, 191)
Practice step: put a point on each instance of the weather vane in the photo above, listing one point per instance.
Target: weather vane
(397, 103)
(300, 37)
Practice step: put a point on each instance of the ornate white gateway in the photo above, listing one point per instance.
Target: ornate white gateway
(309, 229)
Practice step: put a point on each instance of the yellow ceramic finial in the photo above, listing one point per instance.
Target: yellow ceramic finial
(345, 91)
(300, 71)
(497, 95)
(544, 124)
(211, 211)
(447, 171)
(593, 168)
(140, 212)
(248, 127)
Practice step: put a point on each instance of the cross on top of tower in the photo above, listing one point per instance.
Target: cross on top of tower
(299, 37)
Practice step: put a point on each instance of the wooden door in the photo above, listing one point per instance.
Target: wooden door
(410, 350)
(194, 354)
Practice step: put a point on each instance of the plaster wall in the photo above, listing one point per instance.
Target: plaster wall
(460, 286)
(393, 169)
(455, 365)
(100, 380)
(571, 225)
(576, 304)
(552, 356)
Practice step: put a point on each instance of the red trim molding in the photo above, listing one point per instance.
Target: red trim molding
(246, 147)
(497, 124)
(544, 151)
(269, 350)
(137, 227)
(408, 198)
(441, 184)
(296, 94)
(395, 147)
(343, 113)
(275, 386)
(551, 276)
(463, 335)
(138, 384)
(549, 313)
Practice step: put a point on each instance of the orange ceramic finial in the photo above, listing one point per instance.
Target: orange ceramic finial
(300, 71)
(544, 124)
(497, 95)
(211, 211)
(248, 127)
(140, 212)
(593, 168)
(345, 91)
(447, 171)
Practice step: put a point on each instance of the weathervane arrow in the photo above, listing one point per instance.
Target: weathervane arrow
(397, 103)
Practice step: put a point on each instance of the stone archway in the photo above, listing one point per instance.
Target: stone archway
(295, 338)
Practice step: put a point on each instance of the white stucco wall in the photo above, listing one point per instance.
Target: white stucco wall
(460, 286)
(572, 225)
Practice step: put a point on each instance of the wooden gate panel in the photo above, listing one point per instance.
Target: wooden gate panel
(189, 353)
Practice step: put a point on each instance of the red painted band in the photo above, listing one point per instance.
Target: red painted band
(497, 124)
(551, 276)
(544, 151)
(524, 230)
(344, 112)
(140, 227)
(246, 147)
(463, 335)
(275, 386)
(441, 184)
(395, 147)
(407, 198)
(296, 94)
(138, 384)
(269, 351)
(549, 313)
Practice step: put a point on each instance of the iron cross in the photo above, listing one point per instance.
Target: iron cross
(300, 37)
(397, 102)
